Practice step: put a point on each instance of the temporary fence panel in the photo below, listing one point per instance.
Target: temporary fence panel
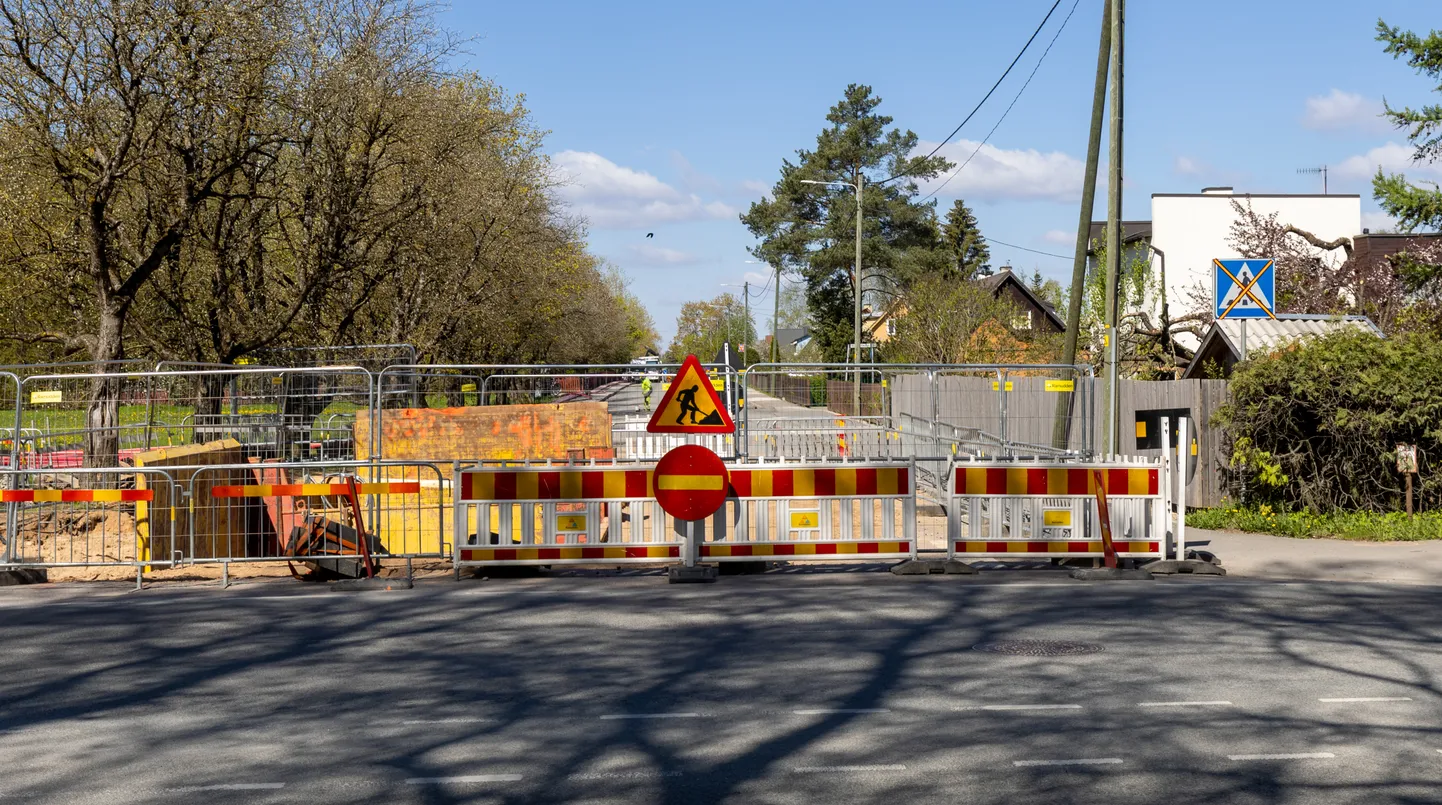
(566, 514)
(849, 511)
(632, 441)
(266, 511)
(1047, 509)
(835, 437)
(87, 518)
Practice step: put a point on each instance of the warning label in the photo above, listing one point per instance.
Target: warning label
(691, 404)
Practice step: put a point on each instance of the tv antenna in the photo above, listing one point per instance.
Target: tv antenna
(1314, 171)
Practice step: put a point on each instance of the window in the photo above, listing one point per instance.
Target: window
(891, 327)
(1022, 322)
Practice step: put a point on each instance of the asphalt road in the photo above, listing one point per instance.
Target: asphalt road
(784, 688)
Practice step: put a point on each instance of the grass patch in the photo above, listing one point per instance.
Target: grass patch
(1370, 526)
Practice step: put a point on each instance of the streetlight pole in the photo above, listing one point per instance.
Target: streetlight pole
(856, 284)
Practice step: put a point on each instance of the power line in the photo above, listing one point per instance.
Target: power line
(987, 139)
(988, 92)
(1033, 251)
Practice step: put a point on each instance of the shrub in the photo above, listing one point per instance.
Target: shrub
(1315, 425)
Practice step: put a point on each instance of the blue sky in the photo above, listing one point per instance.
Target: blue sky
(673, 117)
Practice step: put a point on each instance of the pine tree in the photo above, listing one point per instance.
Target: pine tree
(963, 237)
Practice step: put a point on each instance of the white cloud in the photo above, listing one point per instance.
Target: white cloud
(756, 279)
(1186, 166)
(756, 187)
(1344, 110)
(1392, 158)
(1378, 222)
(615, 197)
(996, 174)
(661, 256)
(1058, 236)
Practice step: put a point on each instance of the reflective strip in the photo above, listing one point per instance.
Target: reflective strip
(568, 485)
(1065, 546)
(307, 490)
(571, 553)
(824, 482)
(806, 549)
(75, 495)
(1053, 481)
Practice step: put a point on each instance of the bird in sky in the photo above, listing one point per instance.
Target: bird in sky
(650, 234)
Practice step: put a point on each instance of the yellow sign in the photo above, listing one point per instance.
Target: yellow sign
(244, 361)
(719, 385)
(1056, 517)
(1141, 429)
(570, 522)
(276, 381)
(690, 404)
(1061, 385)
(805, 520)
(46, 396)
(468, 387)
(996, 385)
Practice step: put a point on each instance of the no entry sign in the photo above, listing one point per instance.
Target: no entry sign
(691, 482)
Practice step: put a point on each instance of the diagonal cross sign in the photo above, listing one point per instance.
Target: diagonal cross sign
(1246, 289)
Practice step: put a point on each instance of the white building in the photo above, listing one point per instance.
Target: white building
(1192, 229)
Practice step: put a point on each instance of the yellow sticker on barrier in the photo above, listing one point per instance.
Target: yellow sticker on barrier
(46, 397)
(468, 387)
(1061, 385)
(1056, 517)
(570, 522)
(996, 385)
(805, 520)
(1141, 429)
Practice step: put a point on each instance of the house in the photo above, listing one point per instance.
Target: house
(1228, 341)
(794, 341)
(1033, 312)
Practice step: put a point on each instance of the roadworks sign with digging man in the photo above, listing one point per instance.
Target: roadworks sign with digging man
(691, 404)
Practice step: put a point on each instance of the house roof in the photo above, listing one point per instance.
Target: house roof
(1382, 245)
(1000, 279)
(1132, 231)
(1267, 334)
(791, 335)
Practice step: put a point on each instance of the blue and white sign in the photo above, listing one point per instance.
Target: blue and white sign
(1245, 289)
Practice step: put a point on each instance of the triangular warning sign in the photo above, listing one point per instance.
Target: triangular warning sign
(691, 404)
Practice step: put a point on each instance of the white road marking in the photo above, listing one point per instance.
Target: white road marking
(1020, 707)
(470, 778)
(1287, 756)
(839, 712)
(1185, 704)
(1097, 761)
(1368, 699)
(623, 775)
(452, 721)
(649, 715)
(227, 787)
(840, 769)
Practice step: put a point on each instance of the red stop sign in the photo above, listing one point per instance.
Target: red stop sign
(691, 482)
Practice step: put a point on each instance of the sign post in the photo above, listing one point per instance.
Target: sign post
(1407, 465)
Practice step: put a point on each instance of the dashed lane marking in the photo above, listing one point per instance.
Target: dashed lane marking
(619, 716)
(1185, 704)
(1351, 699)
(845, 769)
(1286, 756)
(1018, 707)
(858, 711)
(226, 787)
(1096, 761)
(469, 778)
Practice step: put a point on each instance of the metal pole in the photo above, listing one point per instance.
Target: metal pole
(1114, 224)
(856, 391)
(776, 319)
(1064, 403)
(745, 325)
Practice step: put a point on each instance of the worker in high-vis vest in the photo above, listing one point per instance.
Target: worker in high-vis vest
(646, 392)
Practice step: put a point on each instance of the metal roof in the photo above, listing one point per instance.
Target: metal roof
(1268, 333)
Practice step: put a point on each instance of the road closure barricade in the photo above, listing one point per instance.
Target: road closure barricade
(558, 514)
(86, 518)
(849, 511)
(1037, 509)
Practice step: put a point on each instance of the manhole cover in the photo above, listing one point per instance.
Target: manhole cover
(1038, 648)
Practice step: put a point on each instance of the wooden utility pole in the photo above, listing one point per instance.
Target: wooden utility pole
(1061, 428)
(1114, 225)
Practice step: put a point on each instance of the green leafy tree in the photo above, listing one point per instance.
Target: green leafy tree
(810, 230)
(703, 326)
(964, 239)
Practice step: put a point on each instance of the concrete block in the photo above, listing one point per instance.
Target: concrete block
(699, 574)
(1110, 574)
(955, 567)
(912, 567)
(1194, 567)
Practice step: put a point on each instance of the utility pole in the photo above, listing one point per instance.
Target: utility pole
(1114, 224)
(746, 323)
(856, 392)
(1061, 428)
(776, 319)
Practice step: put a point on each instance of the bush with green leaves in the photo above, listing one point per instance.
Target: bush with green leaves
(1315, 424)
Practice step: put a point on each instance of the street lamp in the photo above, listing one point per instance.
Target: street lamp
(746, 324)
(860, 180)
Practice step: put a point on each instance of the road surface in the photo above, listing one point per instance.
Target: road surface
(842, 686)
